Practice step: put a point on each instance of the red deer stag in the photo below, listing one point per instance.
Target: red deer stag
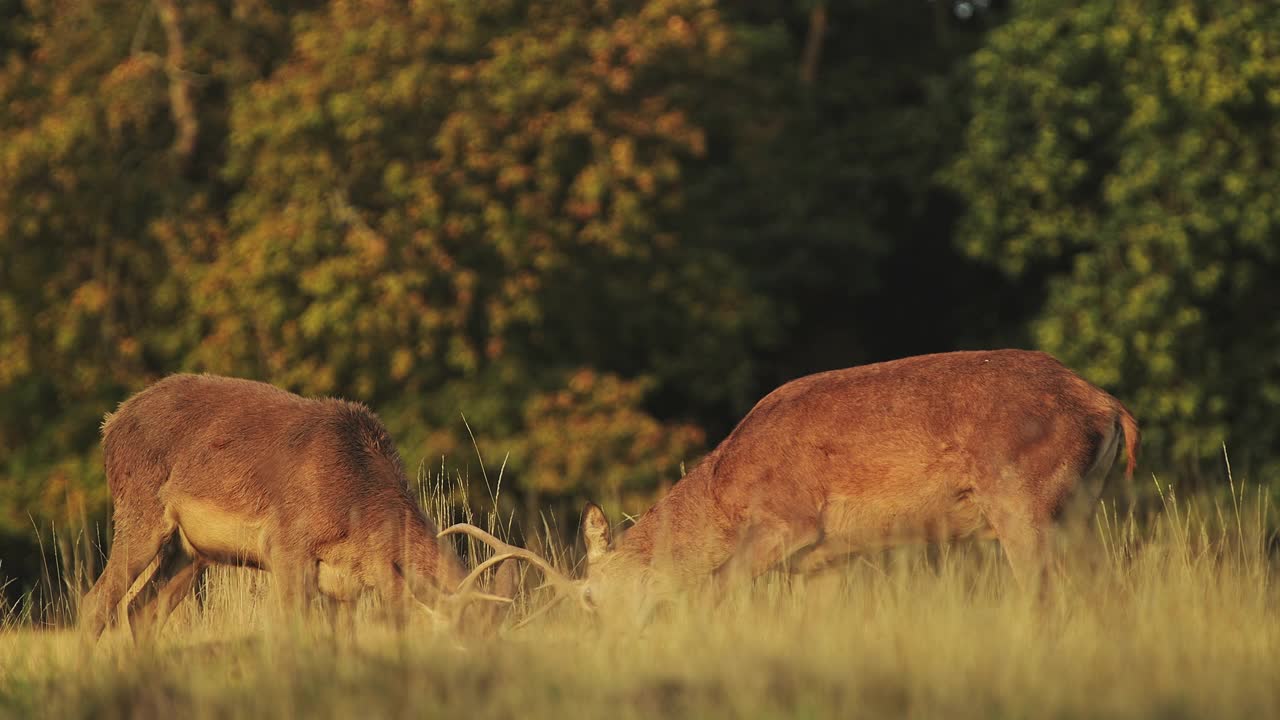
(206, 469)
(936, 447)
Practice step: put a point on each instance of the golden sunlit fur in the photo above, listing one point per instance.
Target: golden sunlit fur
(206, 469)
(933, 448)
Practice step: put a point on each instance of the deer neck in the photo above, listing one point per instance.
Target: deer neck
(685, 536)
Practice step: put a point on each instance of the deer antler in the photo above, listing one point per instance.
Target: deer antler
(453, 604)
(546, 607)
(505, 551)
(464, 587)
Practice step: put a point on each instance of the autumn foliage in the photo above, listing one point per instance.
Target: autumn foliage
(599, 230)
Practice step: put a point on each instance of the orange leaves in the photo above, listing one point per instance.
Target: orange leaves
(498, 147)
(15, 349)
(680, 31)
(593, 435)
(514, 176)
(401, 363)
(623, 154)
(387, 200)
(90, 297)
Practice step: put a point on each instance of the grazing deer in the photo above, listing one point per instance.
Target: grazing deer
(936, 447)
(206, 470)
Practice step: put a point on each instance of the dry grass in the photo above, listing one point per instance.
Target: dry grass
(1174, 616)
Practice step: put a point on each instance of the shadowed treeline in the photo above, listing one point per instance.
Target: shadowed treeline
(601, 230)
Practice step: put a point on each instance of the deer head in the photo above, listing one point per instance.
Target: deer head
(619, 587)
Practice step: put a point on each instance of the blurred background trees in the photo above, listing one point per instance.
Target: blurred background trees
(1129, 153)
(601, 229)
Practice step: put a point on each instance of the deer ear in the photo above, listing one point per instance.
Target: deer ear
(595, 531)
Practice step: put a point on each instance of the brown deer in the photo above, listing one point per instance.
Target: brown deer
(206, 470)
(934, 448)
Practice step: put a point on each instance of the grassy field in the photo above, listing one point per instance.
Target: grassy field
(1173, 616)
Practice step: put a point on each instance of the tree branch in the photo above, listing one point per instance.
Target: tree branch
(813, 43)
(180, 103)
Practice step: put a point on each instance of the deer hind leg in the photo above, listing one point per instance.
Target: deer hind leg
(1088, 487)
(174, 580)
(1023, 535)
(182, 585)
(137, 540)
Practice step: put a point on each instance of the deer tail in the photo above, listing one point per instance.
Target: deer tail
(1131, 439)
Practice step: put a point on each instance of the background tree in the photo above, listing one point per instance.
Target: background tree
(823, 187)
(1125, 151)
(452, 208)
(602, 229)
(96, 157)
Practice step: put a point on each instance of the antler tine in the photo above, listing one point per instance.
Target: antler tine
(460, 600)
(539, 612)
(489, 597)
(552, 575)
(471, 579)
(435, 615)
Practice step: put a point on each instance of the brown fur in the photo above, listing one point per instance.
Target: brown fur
(935, 447)
(206, 469)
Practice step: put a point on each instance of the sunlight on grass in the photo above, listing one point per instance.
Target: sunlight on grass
(1173, 616)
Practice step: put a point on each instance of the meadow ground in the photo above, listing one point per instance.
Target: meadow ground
(1173, 616)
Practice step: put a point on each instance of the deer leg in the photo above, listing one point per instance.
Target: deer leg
(1082, 493)
(1022, 536)
(394, 592)
(763, 546)
(824, 567)
(134, 547)
(341, 616)
(819, 558)
(140, 608)
(296, 577)
(180, 579)
(182, 585)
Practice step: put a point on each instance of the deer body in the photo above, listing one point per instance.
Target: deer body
(206, 470)
(933, 448)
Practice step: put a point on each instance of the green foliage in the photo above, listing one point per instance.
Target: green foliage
(462, 197)
(1126, 150)
(86, 301)
(438, 208)
(435, 188)
(601, 230)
